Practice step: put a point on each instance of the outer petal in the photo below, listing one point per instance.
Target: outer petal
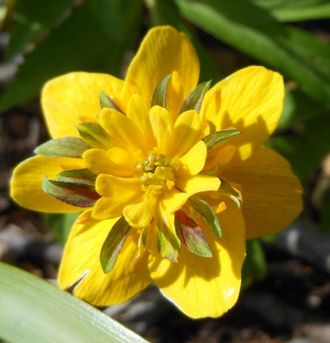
(206, 287)
(26, 183)
(66, 98)
(162, 51)
(81, 260)
(250, 100)
(271, 192)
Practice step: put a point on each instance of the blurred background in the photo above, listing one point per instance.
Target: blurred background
(286, 293)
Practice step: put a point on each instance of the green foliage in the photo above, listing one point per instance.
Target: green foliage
(35, 311)
(60, 224)
(256, 33)
(255, 267)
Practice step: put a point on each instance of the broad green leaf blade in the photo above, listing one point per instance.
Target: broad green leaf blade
(209, 215)
(94, 135)
(33, 310)
(73, 193)
(256, 33)
(106, 101)
(255, 265)
(214, 139)
(195, 98)
(33, 19)
(296, 10)
(113, 244)
(63, 147)
(60, 224)
(191, 235)
(160, 93)
(71, 46)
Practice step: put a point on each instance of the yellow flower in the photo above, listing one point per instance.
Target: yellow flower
(172, 177)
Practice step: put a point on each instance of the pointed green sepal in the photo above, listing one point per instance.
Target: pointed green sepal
(78, 176)
(160, 93)
(71, 192)
(194, 100)
(168, 244)
(231, 192)
(63, 147)
(94, 135)
(207, 213)
(113, 244)
(219, 137)
(191, 235)
(107, 101)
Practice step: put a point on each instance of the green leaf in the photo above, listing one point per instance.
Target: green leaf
(194, 100)
(60, 224)
(115, 18)
(256, 33)
(32, 20)
(218, 137)
(78, 176)
(296, 10)
(255, 265)
(34, 310)
(63, 147)
(299, 108)
(71, 46)
(73, 193)
(208, 214)
(168, 243)
(159, 96)
(106, 101)
(94, 135)
(306, 149)
(113, 244)
(191, 235)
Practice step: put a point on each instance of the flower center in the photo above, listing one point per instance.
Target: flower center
(156, 170)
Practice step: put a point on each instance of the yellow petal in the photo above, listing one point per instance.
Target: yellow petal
(81, 260)
(117, 192)
(68, 97)
(116, 161)
(26, 183)
(186, 132)
(193, 161)
(124, 132)
(198, 183)
(139, 215)
(162, 51)
(162, 127)
(172, 201)
(200, 286)
(175, 95)
(271, 192)
(114, 186)
(250, 100)
(138, 112)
